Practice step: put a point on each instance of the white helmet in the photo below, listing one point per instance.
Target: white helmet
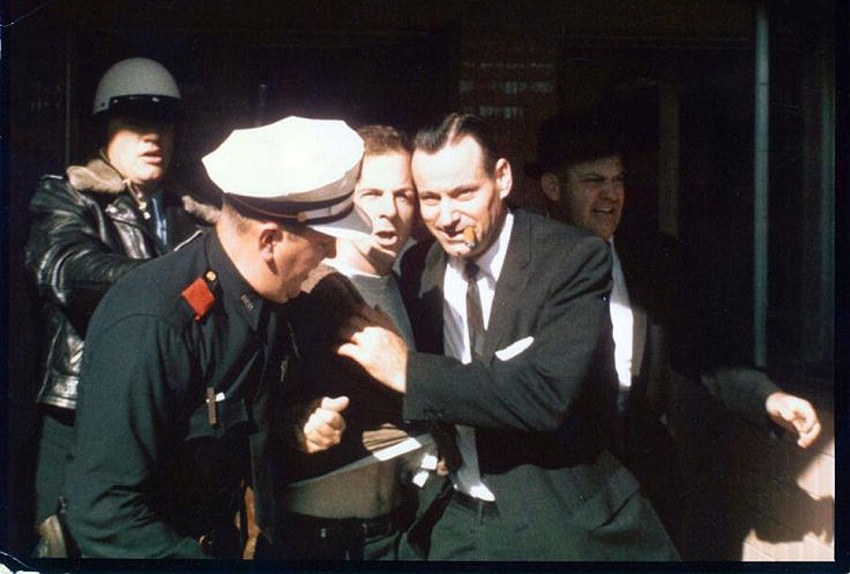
(137, 82)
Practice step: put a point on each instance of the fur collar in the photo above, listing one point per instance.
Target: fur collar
(97, 176)
(203, 211)
(100, 177)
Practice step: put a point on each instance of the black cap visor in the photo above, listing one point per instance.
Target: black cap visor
(160, 109)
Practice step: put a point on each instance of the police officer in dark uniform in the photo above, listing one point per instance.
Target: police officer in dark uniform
(184, 355)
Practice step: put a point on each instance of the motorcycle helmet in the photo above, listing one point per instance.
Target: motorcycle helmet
(137, 87)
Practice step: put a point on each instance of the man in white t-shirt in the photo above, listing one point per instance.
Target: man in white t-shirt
(340, 501)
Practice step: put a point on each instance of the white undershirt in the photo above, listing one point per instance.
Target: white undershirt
(467, 478)
(379, 291)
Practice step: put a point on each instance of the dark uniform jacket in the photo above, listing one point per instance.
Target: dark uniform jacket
(544, 417)
(157, 465)
(88, 229)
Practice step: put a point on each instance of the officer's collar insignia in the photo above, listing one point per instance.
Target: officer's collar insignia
(199, 296)
(246, 300)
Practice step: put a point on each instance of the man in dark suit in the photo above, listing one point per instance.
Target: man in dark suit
(514, 362)
(655, 326)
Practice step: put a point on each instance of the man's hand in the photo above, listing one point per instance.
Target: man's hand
(370, 338)
(319, 425)
(794, 414)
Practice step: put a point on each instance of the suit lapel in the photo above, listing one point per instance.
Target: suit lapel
(428, 314)
(639, 336)
(511, 283)
(434, 270)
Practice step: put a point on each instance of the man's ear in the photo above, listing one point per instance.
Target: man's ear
(270, 234)
(551, 186)
(504, 177)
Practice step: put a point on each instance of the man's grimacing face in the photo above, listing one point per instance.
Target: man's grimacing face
(593, 195)
(455, 192)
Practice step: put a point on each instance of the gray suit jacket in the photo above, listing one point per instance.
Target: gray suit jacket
(672, 339)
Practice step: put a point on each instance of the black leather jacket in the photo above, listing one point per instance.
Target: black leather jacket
(87, 230)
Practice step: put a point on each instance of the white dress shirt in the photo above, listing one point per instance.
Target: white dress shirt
(467, 478)
(623, 317)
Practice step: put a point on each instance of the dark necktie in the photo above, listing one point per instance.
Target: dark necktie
(474, 315)
(444, 433)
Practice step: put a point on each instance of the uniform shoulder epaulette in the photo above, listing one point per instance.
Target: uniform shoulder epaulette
(199, 295)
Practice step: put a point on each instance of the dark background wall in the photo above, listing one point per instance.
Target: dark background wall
(682, 69)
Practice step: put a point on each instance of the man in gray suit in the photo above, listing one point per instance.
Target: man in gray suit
(515, 365)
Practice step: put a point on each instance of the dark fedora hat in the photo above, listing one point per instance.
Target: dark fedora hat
(564, 140)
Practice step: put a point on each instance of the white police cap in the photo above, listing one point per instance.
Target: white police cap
(294, 170)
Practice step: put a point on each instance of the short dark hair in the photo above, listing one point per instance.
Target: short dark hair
(452, 129)
(563, 141)
(380, 139)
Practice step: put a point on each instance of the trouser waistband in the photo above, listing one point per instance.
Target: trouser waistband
(334, 527)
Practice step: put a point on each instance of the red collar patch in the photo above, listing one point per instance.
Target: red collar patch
(199, 297)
